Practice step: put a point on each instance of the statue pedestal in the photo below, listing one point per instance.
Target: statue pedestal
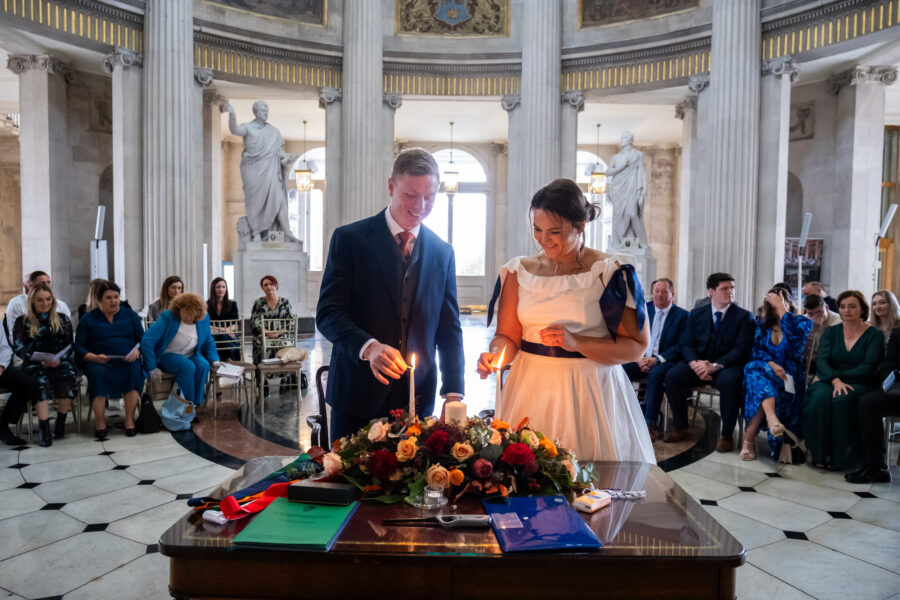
(285, 260)
(642, 259)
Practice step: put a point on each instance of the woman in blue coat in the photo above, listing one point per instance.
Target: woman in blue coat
(180, 342)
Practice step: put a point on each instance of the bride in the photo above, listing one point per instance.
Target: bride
(568, 317)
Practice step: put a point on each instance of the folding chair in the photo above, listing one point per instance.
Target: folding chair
(285, 336)
(228, 335)
(319, 423)
(890, 436)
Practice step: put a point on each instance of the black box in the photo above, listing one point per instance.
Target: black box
(340, 494)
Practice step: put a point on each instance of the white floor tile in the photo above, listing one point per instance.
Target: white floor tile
(876, 511)
(63, 469)
(10, 478)
(117, 505)
(35, 529)
(84, 486)
(60, 451)
(830, 479)
(118, 442)
(824, 573)
(157, 469)
(703, 487)
(136, 456)
(5, 595)
(762, 464)
(17, 502)
(146, 527)
(753, 584)
(65, 565)
(193, 481)
(749, 532)
(888, 491)
(726, 473)
(8, 456)
(146, 578)
(869, 543)
(808, 494)
(778, 513)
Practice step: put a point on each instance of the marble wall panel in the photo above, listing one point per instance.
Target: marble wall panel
(305, 11)
(595, 13)
(10, 219)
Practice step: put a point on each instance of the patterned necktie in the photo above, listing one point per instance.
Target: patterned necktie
(717, 320)
(406, 239)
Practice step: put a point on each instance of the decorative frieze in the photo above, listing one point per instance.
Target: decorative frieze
(122, 57)
(859, 75)
(19, 63)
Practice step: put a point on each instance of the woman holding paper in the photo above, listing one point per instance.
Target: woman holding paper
(108, 345)
(773, 379)
(42, 338)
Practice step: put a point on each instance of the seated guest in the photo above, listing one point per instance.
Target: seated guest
(92, 300)
(171, 287)
(774, 378)
(18, 306)
(22, 388)
(221, 308)
(872, 408)
(815, 288)
(885, 312)
(107, 344)
(846, 369)
(180, 342)
(822, 319)
(43, 329)
(270, 306)
(715, 344)
(666, 322)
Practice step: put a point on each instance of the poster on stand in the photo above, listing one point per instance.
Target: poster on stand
(812, 261)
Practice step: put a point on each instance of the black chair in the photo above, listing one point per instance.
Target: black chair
(319, 423)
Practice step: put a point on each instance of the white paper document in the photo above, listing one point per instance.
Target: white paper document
(789, 384)
(230, 370)
(48, 357)
(122, 356)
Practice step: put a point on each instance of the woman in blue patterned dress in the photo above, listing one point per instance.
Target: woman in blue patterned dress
(43, 329)
(775, 367)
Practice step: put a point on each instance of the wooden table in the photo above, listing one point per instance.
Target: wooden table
(666, 546)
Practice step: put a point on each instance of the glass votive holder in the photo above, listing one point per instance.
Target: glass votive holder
(434, 496)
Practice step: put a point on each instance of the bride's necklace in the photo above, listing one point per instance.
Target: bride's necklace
(575, 265)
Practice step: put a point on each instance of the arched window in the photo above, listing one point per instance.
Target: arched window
(306, 211)
(596, 233)
(461, 220)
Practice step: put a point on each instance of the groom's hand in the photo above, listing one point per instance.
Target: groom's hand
(385, 361)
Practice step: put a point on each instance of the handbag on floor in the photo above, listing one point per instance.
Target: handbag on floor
(793, 451)
(148, 421)
(177, 413)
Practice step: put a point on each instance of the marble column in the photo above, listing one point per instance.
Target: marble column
(203, 78)
(572, 104)
(733, 145)
(213, 104)
(46, 164)
(363, 187)
(499, 195)
(518, 228)
(695, 170)
(858, 152)
(171, 213)
(128, 173)
(330, 100)
(685, 110)
(391, 103)
(774, 126)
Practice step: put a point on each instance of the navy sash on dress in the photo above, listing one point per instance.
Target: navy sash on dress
(493, 301)
(612, 302)
(551, 351)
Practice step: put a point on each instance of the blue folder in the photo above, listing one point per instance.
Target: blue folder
(539, 523)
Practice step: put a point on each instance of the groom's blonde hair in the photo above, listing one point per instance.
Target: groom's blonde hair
(415, 162)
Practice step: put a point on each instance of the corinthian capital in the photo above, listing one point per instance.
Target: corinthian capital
(19, 63)
(860, 75)
(780, 66)
(510, 101)
(122, 57)
(689, 103)
(574, 98)
(327, 95)
(203, 76)
(392, 101)
(698, 83)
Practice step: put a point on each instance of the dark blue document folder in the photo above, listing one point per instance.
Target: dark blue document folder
(539, 523)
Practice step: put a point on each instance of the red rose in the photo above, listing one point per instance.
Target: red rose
(383, 464)
(482, 468)
(437, 442)
(518, 454)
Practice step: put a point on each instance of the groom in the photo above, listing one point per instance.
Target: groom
(388, 292)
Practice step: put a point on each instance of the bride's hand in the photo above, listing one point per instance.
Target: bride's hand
(487, 364)
(556, 335)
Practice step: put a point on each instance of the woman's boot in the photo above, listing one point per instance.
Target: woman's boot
(59, 429)
(45, 439)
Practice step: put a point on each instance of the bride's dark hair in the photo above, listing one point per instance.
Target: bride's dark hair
(563, 197)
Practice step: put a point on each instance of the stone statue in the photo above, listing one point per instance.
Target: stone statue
(627, 190)
(264, 171)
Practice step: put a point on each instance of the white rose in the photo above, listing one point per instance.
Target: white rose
(332, 463)
(529, 437)
(378, 431)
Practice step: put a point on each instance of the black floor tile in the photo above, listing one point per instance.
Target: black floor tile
(28, 485)
(120, 467)
(152, 549)
(183, 496)
(146, 482)
(773, 474)
(709, 503)
(865, 495)
(107, 452)
(53, 506)
(746, 489)
(96, 527)
(795, 535)
(18, 466)
(839, 515)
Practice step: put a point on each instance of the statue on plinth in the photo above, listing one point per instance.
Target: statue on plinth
(265, 171)
(627, 190)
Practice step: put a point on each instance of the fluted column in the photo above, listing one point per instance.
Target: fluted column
(774, 126)
(363, 185)
(170, 210)
(392, 102)
(733, 149)
(697, 170)
(46, 165)
(213, 105)
(330, 100)
(572, 104)
(686, 110)
(858, 166)
(518, 230)
(128, 173)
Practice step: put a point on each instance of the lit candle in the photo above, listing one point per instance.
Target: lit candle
(412, 389)
(455, 413)
(499, 379)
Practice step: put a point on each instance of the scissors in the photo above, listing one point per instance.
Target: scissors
(445, 521)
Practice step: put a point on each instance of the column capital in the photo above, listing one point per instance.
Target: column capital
(19, 63)
(499, 148)
(510, 101)
(781, 66)
(688, 104)
(328, 95)
(392, 100)
(122, 57)
(203, 76)
(859, 75)
(212, 96)
(698, 83)
(574, 98)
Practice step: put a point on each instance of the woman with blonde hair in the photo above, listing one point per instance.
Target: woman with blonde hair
(43, 330)
(885, 312)
(171, 287)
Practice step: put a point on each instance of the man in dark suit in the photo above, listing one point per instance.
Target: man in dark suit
(388, 292)
(666, 322)
(715, 344)
(814, 287)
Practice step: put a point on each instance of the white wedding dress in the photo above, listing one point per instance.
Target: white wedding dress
(589, 407)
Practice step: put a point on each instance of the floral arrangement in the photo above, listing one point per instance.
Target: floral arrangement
(392, 459)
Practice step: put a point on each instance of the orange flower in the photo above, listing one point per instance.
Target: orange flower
(373, 488)
(503, 491)
(457, 477)
(550, 447)
(414, 430)
(522, 424)
(406, 449)
(498, 424)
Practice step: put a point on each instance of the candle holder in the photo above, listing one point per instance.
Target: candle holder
(431, 498)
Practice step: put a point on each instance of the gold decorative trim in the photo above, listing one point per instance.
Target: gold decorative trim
(238, 64)
(451, 85)
(79, 23)
(639, 73)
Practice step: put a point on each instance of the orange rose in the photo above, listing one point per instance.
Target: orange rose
(406, 449)
(496, 437)
(332, 463)
(498, 424)
(457, 477)
(462, 451)
(437, 475)
(550, 447)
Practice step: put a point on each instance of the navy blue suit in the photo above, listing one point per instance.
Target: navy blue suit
(360, 299)
(729, 345)
(669, 351)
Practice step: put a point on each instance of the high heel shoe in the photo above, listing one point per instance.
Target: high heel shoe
(777, 430)
(100, 434)
(748, 451)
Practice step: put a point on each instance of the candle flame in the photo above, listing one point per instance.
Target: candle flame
(412, 362)
(500, 358)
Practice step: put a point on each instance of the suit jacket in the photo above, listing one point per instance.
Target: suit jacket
(358, 301)
(734, 341)
(670, 340)
(892, 356)
(157, 338)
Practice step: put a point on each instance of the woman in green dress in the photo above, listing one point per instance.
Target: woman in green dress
(846, 368)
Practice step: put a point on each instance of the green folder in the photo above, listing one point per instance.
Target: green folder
(286, 525)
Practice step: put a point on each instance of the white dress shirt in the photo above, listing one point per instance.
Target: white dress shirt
(659, 321)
